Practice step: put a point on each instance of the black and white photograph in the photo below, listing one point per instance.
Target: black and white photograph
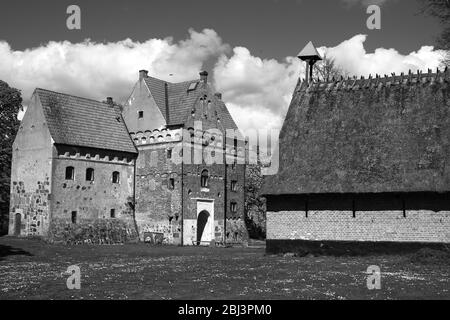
(224, 156)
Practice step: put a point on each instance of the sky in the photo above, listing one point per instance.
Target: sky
(249, 47)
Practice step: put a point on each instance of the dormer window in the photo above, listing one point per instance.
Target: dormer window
(141, 115)
(192, 86)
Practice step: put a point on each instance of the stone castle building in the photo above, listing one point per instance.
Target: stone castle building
(364, 164)
(87, 171)
(184, 202)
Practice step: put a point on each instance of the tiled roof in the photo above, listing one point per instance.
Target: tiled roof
(181, 100)
(382, 134)
(83, 122)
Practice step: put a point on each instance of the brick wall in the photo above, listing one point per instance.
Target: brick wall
(418, 226)
(412, 217)
(158, 206)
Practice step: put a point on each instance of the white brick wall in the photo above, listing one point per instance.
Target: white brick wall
(418, 226)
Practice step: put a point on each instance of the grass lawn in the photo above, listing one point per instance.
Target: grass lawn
(31, 269)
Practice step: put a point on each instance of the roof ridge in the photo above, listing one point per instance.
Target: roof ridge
(174, 83)
(393, 79)
(71, 95)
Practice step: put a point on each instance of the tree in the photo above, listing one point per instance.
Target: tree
(440, 9)
(255, 205)
(10, 104)
(326, 69)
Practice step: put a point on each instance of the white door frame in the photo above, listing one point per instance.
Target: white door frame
(208, 232)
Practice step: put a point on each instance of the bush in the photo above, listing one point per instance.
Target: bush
(102, 231)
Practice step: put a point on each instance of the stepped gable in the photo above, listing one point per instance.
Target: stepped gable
(176, 100)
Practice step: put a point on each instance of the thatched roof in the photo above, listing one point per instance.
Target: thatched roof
(382, 134)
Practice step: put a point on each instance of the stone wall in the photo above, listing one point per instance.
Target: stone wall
(31, 175)
(99, 231)
(95, 199)
(33, 208)
(158, 205)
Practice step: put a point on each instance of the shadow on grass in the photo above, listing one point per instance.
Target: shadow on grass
(6, 251)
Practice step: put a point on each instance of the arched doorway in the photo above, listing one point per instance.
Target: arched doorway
(202, 220)
(17, 224)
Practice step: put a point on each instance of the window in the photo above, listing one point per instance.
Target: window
(115, 177)
(70, 172)
(74, 217)
(234, 185)
(90, 174)
(204, 179)
(233, 207)
(192, 86)
(171, 183)
(169, 154)
(113, 213)
(141, 114)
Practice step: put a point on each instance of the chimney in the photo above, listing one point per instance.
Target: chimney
(143, 74)
(110, 101)
(218, 95)
(204, 76)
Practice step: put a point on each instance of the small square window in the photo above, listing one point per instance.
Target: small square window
(141, 114)
(70, 173)
(74, 217)
(113, 213)
(90, 174)
(234, 185)
(233, 207)
(171, 183)
(115, 177)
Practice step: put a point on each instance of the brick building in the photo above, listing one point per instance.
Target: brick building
(87, 171)
(364, 164)
(178, 200)
(73, 164)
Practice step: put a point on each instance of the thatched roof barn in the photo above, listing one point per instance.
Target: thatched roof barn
(382, 134)
(363, 160)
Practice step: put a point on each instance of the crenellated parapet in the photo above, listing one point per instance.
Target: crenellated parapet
(150, 137)
(96, 158)
(215, 141)
(378, 82)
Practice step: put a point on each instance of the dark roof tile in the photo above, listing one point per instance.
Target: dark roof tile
(84, 122)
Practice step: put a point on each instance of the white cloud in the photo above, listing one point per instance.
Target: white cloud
(98, 70)
(351, 56)
(257, 91)
(259, 87)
